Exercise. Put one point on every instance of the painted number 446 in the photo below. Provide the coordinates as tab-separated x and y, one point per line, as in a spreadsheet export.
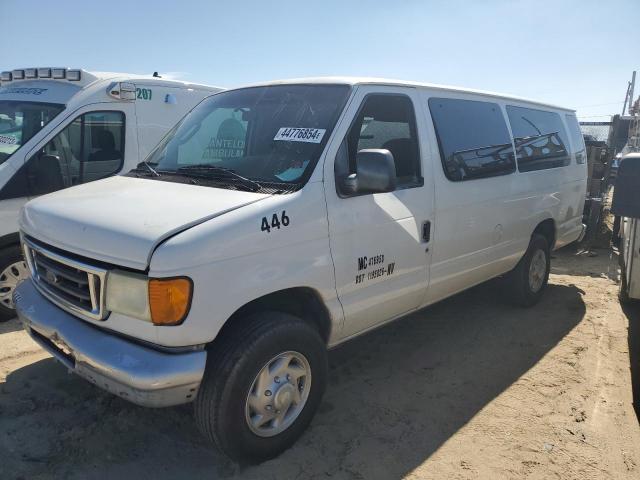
276	222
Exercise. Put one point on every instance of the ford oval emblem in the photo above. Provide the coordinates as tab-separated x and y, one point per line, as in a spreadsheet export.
51	277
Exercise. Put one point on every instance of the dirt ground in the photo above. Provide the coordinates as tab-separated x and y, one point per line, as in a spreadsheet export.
469	388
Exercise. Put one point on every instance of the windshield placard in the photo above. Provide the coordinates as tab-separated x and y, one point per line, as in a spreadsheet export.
293	134
5	140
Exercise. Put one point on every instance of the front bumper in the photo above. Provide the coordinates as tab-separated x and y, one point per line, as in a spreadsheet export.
134	372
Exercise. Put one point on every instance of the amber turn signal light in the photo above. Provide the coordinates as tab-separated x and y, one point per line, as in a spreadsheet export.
169	300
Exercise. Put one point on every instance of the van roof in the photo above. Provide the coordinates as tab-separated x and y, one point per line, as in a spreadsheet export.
403	83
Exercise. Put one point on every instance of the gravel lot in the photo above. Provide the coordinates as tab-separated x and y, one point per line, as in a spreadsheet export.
469	388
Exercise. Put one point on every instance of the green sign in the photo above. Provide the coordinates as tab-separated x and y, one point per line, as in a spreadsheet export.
143	93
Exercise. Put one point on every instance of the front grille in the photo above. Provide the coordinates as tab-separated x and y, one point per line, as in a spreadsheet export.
71	284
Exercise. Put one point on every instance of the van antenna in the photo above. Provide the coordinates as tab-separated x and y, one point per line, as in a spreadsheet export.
156	75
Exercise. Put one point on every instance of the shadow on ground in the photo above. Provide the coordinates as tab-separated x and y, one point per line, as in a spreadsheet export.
394	397
12	325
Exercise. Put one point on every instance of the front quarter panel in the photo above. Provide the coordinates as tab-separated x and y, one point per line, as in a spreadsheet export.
232	260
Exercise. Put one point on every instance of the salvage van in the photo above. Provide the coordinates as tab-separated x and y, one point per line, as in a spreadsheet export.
62	127
279	220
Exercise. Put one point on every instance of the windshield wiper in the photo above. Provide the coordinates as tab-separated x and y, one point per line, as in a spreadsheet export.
142	166
214	172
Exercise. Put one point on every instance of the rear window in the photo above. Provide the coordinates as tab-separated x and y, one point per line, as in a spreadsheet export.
473	138
540	139
577	140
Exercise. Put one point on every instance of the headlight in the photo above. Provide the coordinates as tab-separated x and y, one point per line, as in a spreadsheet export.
128	293
162	301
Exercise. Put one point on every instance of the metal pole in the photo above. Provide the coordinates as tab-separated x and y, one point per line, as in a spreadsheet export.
626	97
631	88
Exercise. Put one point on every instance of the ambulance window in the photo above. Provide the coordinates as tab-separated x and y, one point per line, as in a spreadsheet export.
540	139
473	138
91	147
388	121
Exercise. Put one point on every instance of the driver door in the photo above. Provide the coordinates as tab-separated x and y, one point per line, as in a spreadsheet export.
91	146
380	242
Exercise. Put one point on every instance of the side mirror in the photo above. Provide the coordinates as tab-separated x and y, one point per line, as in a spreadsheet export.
626	192
375	173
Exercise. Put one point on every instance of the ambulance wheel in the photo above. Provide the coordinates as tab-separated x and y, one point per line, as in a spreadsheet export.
13	269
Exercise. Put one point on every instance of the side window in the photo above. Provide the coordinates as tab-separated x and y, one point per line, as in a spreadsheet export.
577	140
388	121
540	139
473	138
91	147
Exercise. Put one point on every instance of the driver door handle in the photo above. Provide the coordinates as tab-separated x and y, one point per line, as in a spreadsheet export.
426	231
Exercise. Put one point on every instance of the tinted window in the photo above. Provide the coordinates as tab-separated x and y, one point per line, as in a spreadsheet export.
473	137
388	121
89	148
540	139
577	140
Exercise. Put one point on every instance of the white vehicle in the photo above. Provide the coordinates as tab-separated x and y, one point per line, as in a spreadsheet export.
283	219
626	203
61	127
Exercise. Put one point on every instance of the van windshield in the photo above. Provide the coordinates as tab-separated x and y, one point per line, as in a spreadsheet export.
19	121
262	138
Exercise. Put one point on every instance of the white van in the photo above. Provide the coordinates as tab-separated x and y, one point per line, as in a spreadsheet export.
282	219
61	127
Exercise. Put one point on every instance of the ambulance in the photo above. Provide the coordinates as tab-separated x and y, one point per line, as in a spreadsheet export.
62	127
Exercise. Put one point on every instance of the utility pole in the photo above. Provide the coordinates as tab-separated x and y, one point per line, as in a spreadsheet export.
628	98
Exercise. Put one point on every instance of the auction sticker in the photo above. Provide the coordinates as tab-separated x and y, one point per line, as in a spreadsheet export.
293	134
4	140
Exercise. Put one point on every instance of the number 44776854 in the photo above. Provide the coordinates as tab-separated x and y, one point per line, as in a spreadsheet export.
276	222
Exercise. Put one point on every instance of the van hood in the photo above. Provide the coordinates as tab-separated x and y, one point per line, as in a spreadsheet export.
121	220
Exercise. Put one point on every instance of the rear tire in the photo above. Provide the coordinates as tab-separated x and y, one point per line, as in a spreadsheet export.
13	270
250	366
529	279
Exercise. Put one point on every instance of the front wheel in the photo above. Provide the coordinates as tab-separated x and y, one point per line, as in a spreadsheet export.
262	386
529	279
13	270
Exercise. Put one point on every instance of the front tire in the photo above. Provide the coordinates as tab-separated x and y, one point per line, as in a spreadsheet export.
262	386
530	277
13	270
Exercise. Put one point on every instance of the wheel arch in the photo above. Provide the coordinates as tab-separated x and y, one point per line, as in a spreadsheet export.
547	228
9	240
303	302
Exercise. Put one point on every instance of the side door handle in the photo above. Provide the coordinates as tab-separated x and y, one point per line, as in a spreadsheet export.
426	231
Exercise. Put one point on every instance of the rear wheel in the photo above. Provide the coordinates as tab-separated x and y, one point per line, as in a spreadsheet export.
262	386
529	279
13	269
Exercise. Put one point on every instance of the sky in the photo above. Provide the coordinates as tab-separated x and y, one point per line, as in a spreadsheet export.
567	52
